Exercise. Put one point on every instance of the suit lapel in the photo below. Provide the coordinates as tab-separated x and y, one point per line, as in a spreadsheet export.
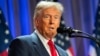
59	51
38	45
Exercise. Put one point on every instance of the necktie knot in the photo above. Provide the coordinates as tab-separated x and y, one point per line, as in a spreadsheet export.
50	43
52	48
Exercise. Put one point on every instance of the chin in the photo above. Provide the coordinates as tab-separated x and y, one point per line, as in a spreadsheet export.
51	34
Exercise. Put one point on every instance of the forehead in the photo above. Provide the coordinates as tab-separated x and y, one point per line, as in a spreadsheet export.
51	10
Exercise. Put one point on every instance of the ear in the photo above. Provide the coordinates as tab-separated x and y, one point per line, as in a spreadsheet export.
36	21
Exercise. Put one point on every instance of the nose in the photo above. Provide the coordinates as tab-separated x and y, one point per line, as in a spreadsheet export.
51	20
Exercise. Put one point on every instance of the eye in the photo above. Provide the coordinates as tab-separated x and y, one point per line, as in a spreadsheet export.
56	17
46	16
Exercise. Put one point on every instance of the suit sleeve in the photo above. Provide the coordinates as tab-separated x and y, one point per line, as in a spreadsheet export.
17	48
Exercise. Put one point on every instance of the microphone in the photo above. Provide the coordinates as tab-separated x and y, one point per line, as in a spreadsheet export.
67	30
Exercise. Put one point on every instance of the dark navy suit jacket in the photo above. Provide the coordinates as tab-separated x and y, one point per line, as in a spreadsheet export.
30	45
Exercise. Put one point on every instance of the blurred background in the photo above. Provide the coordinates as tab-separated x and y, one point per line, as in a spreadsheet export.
16	18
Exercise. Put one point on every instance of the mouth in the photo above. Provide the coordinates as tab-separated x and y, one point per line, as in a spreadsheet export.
51	28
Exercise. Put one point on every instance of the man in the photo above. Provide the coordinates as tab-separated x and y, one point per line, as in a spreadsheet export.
40	42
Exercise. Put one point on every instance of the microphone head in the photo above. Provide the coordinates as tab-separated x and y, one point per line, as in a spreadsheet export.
67	30
64	30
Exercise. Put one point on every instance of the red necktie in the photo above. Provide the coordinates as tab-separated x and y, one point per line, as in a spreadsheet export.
52	48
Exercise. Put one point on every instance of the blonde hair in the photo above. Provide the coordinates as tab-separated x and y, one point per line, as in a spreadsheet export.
46	4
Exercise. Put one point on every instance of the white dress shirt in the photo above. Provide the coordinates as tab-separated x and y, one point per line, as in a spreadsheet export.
44	42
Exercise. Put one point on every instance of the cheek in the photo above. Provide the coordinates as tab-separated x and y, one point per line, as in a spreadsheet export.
44	26
45	23
58	24
40	24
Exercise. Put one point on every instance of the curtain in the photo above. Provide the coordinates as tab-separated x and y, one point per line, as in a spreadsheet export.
78	14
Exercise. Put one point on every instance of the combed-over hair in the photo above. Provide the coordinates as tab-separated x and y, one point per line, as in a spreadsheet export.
46	4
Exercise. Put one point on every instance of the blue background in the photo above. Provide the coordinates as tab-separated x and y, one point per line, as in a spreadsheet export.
79	14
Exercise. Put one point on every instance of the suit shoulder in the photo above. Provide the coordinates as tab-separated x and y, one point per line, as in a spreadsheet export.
60	49
21	39
63	52
26	38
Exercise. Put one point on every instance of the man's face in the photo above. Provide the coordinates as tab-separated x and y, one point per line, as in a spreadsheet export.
48	22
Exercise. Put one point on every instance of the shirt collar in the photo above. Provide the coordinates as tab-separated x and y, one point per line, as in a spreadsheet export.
41	37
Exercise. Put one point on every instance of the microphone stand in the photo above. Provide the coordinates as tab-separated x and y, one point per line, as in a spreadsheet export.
80	34
86	35
97	41
77	33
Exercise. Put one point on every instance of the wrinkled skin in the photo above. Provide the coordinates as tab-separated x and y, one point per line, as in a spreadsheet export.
48	22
